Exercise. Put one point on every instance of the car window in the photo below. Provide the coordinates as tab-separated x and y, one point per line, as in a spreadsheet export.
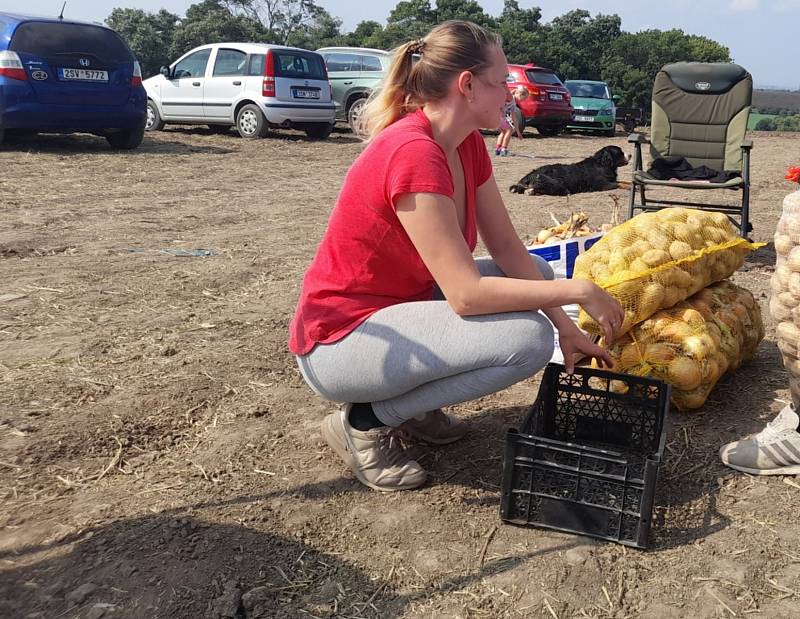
371	63
343	62
53	39
589	91
193	65
293	64
543	77
230	62
255	64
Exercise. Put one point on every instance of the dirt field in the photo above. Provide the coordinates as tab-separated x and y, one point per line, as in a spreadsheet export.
160	455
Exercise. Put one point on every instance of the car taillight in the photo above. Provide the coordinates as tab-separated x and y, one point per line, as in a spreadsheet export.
11	66
535	92
567	97
136	79
268	85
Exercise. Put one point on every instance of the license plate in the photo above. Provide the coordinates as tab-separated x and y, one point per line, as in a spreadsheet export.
85	75
556	96
306	94
584	119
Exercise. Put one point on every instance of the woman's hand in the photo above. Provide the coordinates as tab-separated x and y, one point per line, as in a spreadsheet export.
601	306
574	342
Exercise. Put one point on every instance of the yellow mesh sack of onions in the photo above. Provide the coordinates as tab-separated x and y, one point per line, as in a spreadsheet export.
658	259
693	343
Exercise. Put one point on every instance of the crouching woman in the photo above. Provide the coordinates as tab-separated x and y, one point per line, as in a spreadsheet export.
395	317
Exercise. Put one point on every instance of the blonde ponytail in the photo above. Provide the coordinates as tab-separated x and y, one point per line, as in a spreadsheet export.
390	102
421	71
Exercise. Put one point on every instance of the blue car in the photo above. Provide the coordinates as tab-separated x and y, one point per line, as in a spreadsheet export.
63	76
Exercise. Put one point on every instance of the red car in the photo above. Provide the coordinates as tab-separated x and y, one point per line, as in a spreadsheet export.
548	106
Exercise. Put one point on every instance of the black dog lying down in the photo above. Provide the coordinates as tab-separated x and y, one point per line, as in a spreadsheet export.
595	173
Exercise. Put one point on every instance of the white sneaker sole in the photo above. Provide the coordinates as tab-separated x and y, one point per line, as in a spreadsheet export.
784	470
432	439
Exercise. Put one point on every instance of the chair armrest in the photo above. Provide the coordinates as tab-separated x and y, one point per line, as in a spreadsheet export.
638	138
747	144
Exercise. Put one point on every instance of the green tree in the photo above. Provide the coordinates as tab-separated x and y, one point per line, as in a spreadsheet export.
575	41
787	123
412	19
366	34
521	31
468	10
633	85
631	61
765	124
409	19
576	45
210	21
299	23
149	35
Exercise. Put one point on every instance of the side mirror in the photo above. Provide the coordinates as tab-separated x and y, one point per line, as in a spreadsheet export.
165	72
615	98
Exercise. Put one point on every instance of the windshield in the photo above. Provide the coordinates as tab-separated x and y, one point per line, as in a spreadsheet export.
588	90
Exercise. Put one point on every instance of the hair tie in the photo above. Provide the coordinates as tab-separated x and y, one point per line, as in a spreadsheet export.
416	47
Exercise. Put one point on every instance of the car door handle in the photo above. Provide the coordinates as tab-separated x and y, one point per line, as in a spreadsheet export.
237	83
348	83
195	83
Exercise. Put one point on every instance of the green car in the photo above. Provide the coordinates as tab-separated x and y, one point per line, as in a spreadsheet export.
595	107
354	72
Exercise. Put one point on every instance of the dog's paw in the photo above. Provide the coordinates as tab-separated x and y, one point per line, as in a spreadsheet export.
530	191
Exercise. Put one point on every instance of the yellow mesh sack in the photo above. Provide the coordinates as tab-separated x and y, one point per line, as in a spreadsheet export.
658	259
693	343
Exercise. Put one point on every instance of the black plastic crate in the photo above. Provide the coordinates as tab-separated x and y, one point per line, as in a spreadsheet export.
586	459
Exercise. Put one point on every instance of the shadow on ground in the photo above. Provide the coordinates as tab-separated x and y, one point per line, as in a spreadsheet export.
175	565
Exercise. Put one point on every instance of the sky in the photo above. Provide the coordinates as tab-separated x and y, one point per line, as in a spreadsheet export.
762	35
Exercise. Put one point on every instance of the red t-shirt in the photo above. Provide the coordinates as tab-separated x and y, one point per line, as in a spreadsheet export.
366	261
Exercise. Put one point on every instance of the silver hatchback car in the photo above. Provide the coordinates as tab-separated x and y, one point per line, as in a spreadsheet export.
251	86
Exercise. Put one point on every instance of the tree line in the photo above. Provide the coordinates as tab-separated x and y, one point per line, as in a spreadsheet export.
576	45
779	123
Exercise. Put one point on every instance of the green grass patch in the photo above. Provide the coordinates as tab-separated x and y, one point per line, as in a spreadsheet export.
755	117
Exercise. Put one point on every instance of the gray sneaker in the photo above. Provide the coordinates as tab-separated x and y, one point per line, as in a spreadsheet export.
375	456
773	451
436	427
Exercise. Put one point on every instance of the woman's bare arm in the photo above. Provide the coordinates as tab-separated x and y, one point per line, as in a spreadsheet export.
432	225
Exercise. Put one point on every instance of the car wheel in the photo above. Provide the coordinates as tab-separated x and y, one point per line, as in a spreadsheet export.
127	139
318	131
550	131
153	122
610	132
354	116
250	122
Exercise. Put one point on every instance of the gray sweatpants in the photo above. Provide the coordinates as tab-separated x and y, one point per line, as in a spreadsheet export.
410	358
